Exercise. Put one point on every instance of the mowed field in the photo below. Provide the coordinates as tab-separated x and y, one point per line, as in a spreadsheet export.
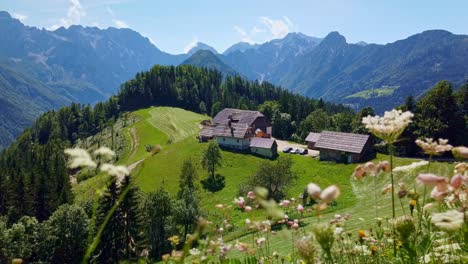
176	130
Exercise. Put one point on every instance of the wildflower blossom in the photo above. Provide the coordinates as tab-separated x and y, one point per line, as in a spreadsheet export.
329	194
313	190
260	241
80	158
248	209
370	168
306	248
384	166
247	221
428	206
359	172
300	208
387	189
118	171
285	203
390	126
174	240
240	202
432	147
105	153
251	195
430	179
194	252
448	221
456	181
410	167
460	167
438	195
460	152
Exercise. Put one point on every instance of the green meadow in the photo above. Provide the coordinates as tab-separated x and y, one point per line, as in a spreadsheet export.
175	130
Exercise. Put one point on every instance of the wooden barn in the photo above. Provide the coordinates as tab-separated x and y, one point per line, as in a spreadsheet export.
344	147
265	147
312	139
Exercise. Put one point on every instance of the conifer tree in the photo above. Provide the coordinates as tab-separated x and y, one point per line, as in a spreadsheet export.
158	213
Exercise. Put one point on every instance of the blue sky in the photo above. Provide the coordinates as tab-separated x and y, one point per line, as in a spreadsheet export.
175	25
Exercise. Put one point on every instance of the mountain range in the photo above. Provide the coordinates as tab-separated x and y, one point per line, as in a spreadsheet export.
42	70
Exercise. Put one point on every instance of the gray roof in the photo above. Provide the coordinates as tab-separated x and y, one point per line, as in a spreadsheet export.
312	137
257	142
235	131
207	131
238	116
347	142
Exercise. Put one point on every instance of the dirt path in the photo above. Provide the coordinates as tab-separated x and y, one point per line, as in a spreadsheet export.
135	142
134	165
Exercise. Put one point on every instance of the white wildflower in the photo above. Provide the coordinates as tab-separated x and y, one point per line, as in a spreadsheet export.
432	147
338	230
390	126
118	171
105	153
194	252
363	250
411	166
448	221
79	158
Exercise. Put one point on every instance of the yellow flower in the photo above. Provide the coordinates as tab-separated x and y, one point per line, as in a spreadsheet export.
174	240
361	233
413	202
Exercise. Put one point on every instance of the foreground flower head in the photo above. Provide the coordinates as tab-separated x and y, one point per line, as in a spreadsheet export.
105	153
411	166
118	171
432	147
430	179
329	194
448	221
79	158
313	190
460	152
390	126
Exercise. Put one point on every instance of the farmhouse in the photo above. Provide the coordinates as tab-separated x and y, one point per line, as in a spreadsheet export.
234	128
264	147
312	139
344	147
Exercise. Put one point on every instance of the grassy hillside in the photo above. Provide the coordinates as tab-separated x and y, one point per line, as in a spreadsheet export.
374	93
176	129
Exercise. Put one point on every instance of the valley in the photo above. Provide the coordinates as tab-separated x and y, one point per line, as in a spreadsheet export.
175	130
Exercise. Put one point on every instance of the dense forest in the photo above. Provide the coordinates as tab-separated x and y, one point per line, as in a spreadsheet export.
34	174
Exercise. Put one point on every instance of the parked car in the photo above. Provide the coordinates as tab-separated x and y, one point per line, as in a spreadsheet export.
295	151
287	149
304	152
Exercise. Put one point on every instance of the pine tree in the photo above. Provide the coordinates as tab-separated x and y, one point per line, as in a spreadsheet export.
158	212
112	240
132	219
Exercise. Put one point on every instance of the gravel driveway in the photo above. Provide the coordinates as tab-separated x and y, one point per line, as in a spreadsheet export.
283	144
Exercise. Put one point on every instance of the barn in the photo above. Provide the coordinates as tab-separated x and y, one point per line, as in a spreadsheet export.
312	139
344	147
265	147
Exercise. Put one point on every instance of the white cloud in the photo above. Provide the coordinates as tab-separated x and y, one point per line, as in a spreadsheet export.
191	45
120	23
74	14
117	22
21	17
265	30
279	27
